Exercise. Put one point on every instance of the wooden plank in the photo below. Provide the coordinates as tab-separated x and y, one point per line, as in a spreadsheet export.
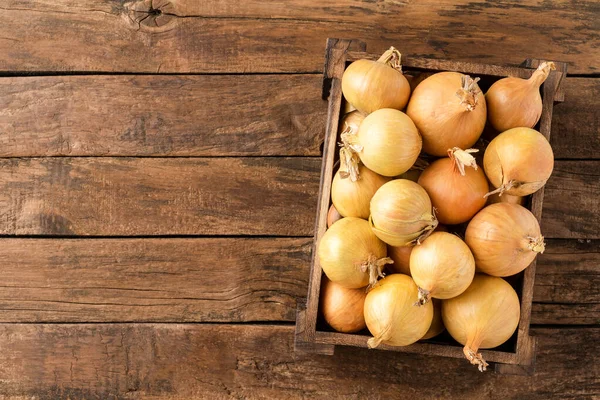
158	280
158	196
576	121
161	116
192	36
227	361
223	280
84	116
571	206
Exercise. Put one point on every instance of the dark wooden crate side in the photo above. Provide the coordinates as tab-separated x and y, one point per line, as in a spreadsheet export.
338	53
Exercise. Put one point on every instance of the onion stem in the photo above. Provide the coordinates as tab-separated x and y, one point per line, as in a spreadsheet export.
503	188
463	158
468	93
475	358
349	154
392	57
540	75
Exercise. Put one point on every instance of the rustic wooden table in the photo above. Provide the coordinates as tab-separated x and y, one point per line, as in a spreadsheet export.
158	186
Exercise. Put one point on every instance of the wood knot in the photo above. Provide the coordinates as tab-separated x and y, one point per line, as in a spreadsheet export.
151	15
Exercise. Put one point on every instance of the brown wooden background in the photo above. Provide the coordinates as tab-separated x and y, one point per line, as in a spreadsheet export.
159	172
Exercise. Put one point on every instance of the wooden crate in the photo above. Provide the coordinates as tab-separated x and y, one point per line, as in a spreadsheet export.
312	335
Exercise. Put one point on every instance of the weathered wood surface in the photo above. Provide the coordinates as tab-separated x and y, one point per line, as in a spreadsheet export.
223	280
158	196
571	206
216	36
216	196
138	116
221	362
143	115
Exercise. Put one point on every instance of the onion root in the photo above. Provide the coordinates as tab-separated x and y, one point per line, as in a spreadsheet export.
537	244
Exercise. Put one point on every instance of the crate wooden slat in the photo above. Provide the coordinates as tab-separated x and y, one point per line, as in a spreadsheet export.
339	52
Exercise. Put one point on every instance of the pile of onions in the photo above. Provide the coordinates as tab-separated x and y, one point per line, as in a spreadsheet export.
514	102
518	162
352	198
372	85
401	213
456	192
341	307
442	267
390	313
449	111
333	216
387	142
504	238
351	255
437	324
484	316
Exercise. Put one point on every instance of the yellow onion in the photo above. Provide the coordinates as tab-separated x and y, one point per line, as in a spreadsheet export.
442	267
518	162
401	255
437	324
341	307
390	313
387	142
514	102
351	255
449	110
352	199
456	192
505	198
484	316
351	122
332	216
371	85
401	213
504	238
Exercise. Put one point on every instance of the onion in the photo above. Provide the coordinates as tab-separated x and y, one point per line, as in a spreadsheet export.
342	308
351	255
390	313
505	198
442	266
455	192
437	325
518	162
401	213
484	316
333	216
352	199
387	142
449	111
372	85
504	238
401	255
514	102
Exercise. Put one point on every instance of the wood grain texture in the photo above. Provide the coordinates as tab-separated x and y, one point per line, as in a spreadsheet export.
223	280
213	36
138	116
159	280
576	121
224	361
158	196
276	115
571	206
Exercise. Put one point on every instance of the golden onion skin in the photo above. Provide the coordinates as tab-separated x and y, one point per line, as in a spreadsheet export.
342	308
352	199
372	85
